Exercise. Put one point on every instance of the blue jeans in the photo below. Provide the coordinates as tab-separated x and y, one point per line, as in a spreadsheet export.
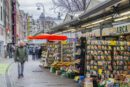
10	54
33	57
20	68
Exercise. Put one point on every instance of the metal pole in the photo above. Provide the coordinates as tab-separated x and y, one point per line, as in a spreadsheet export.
43	22
101	28
44	17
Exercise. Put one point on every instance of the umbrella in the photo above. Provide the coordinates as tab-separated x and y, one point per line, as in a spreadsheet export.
42	36
30	37
57	37
51	37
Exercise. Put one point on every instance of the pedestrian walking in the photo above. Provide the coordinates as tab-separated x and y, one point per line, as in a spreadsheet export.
21	57
40	53
9	50
5	51
33	53
36	52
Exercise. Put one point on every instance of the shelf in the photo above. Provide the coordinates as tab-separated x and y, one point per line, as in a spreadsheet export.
99	44
121	55
100	60
122	50
98	50
97	55
120	60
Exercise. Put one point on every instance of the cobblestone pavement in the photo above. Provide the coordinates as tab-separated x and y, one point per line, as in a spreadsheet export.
34	76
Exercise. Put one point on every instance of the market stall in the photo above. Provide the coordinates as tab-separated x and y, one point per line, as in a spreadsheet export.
107	63
67	66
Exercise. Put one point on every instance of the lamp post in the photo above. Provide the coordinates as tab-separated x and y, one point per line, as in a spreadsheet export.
39	6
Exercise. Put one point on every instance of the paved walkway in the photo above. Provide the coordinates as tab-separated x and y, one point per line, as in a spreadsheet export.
4	65
34	76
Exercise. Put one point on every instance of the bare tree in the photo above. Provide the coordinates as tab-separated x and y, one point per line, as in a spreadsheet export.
71	5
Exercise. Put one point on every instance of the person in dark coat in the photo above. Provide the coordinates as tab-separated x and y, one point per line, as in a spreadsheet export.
21	57
9	50
40	52
36	52
33	53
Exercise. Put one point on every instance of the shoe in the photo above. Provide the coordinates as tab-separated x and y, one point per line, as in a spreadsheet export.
19	77
22	75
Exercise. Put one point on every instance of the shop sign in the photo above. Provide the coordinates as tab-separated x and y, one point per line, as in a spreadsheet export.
122	29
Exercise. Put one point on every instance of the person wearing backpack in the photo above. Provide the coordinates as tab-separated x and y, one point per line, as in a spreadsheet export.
21	57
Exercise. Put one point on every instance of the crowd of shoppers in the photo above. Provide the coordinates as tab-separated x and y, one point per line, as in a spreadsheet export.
36	52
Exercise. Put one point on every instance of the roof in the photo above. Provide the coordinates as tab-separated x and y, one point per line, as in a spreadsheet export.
91	13
72	15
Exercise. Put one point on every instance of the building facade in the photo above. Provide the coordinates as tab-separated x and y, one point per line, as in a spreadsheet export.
8	21
46	23
2	26
23	25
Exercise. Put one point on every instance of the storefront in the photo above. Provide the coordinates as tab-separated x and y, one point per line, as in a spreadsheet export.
107	63
113	33
117	32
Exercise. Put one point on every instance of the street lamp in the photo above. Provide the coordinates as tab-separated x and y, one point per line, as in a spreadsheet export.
39	6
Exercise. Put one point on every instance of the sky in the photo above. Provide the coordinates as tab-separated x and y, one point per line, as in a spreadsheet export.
29	6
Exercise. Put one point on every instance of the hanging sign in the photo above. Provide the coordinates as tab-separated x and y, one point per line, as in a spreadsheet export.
122	29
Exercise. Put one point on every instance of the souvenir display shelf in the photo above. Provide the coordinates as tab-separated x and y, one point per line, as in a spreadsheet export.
57	52
77	49
44	54
53	52
77	54
44	51
109	61
67	52
121	58
99	58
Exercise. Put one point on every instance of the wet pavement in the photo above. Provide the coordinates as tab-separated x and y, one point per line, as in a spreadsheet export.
4	65
34	76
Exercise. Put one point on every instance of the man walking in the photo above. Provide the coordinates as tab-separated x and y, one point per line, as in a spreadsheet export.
20	57
33	53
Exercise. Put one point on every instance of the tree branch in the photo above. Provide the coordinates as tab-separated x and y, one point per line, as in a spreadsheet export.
72	5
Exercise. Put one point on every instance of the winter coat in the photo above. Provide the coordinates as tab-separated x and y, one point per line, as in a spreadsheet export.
21	54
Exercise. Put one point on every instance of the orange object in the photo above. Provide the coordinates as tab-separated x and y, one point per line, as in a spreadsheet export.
51	37
57	37
42	36
30	37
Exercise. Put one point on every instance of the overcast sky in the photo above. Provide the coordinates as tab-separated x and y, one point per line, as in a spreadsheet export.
29	6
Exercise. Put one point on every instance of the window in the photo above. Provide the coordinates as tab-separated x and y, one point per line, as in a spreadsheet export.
1	14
